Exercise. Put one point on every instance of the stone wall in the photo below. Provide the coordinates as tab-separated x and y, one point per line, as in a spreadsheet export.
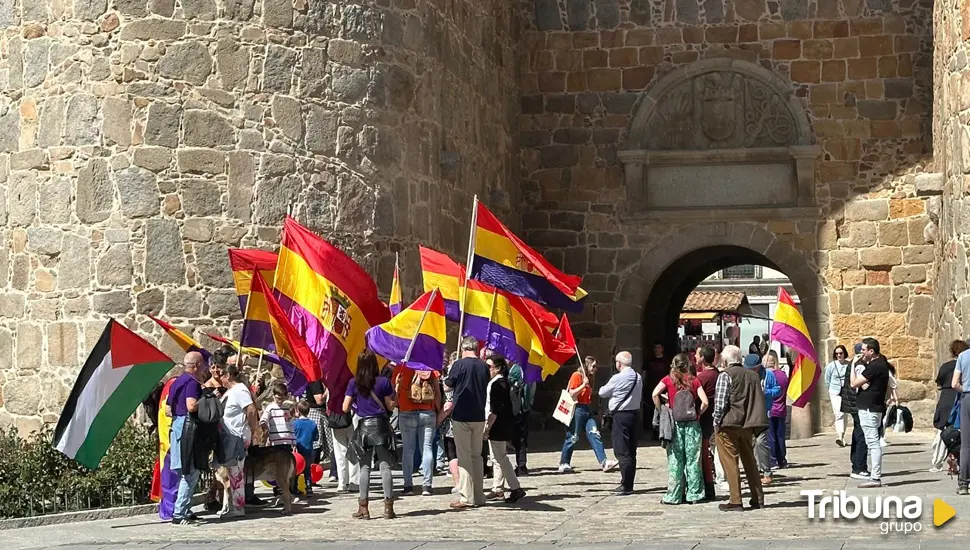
860	70
139	140
951	141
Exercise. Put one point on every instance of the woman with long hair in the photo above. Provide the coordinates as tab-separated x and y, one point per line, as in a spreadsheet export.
500	429
944	382
371	396
835	373
580	387
684	450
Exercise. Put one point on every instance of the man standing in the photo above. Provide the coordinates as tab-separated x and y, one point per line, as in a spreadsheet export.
707	374
183	399
858	449
468	379
419	401
624	390
522	394
873	385
739	414
961	383
755	346
771	389
657	368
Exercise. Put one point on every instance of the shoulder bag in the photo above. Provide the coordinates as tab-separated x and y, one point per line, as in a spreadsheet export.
608	417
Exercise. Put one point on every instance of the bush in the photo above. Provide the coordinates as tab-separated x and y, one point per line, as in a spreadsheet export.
35	478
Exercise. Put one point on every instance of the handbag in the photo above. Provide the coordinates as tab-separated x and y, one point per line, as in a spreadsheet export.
565	409
339	421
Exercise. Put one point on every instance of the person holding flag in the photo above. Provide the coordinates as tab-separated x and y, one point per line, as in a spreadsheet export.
580	387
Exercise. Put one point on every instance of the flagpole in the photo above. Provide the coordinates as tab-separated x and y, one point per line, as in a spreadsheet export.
491	314
407	356
249	302
468	270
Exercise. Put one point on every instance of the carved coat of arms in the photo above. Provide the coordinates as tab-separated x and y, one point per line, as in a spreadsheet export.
336	314
718	100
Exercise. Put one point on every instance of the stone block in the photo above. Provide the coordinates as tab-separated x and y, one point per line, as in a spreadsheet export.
74	265
232	63
36	62
150	302
859	235
289	119
199	9
278	70
116	302
881	257
905	208
794	9
930	184
908	390
62	344
114	267
201	161
164	258
222	303
559	156
12	306
877	110
893	233
189	61
548	17
875	299
278	13
206	129
212	264
918	315
242	180
198	229
81	127
44	240
871	210
29	160
95	194
153	29
116	123
200	197
321	130
139	192
349	85
51	126
23	395
918	254
183	303
155	159
163	125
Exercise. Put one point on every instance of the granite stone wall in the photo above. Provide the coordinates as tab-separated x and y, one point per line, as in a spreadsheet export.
860	70
140	139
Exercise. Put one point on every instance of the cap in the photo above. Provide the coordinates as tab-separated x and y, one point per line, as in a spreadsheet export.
858	348
751	361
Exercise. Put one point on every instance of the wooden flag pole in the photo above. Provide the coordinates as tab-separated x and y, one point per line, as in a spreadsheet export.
407	356
468	270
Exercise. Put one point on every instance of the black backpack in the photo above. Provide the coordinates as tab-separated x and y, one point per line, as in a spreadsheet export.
682	406
210	407
951	439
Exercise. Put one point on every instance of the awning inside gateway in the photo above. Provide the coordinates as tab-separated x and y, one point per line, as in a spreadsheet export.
698	316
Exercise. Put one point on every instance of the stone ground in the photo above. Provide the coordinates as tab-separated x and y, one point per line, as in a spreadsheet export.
566	511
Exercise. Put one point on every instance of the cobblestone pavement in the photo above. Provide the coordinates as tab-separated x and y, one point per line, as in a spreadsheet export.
568	511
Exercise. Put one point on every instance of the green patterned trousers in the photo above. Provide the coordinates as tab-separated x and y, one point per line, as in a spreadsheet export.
684	460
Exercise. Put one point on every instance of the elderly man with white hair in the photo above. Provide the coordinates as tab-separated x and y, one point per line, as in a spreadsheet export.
624	390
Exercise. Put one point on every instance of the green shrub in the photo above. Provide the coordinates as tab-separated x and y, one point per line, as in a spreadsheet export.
36	479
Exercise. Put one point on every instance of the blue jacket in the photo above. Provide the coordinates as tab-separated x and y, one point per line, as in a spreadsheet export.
771	387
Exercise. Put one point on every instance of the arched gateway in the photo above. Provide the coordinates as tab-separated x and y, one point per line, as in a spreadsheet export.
719	166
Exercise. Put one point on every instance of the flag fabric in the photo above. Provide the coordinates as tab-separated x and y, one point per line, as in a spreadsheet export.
296	381
564	333
120	372
243	262
330	300
168	480
289	344
788	328
184	341
424	322
506	325
441	272
503	260
396	302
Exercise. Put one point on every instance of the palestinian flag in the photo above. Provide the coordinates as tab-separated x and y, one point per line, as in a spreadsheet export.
120	372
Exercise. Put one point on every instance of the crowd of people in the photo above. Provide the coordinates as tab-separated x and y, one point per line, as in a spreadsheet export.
713	413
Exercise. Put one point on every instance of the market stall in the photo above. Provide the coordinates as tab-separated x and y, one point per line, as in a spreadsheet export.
712	319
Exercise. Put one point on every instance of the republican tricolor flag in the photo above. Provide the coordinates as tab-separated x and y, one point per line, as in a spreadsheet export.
395	303
788	328
415	336
120	372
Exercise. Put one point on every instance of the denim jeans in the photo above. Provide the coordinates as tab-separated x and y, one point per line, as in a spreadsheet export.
858	451
870	422
583	421
417	431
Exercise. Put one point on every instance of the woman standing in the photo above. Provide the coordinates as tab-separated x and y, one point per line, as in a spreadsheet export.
777	414
580	388
371	397
500	429
316	397
835	373
684	451
944	382
239	422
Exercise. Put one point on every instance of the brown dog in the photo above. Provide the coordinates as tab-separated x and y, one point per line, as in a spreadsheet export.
264	464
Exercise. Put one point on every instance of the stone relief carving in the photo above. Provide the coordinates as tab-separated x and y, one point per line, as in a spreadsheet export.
720	110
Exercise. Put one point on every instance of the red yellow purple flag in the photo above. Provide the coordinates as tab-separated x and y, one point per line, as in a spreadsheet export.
184	341
396	302
788	328
288	342
330	300
416	336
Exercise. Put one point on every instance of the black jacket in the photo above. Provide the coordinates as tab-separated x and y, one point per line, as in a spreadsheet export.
503	429
849	394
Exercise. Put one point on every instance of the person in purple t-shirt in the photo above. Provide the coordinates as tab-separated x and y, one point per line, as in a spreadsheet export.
183	398
777	414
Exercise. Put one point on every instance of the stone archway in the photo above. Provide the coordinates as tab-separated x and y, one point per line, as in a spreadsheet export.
650	296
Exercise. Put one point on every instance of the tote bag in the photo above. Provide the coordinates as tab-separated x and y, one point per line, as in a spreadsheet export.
565	409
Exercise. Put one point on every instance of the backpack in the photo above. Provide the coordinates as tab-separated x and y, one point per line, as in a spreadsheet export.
421	391
682	406
210	408
951	439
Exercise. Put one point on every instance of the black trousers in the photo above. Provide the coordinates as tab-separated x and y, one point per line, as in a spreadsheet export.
859	451
521	440
625	445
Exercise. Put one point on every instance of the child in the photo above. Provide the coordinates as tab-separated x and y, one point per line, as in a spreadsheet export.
276	419
306	433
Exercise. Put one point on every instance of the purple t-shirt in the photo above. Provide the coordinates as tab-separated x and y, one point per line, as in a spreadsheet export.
366	406
779	405
184	387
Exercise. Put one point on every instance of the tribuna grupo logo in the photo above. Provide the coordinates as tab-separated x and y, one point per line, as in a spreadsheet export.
895	514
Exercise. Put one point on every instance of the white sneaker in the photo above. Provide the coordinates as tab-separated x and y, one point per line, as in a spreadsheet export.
610	465
565	469
883	442
861	475
231	514
454	490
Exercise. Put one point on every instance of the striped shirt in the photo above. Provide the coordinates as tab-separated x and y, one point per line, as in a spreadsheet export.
278	425
721	391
